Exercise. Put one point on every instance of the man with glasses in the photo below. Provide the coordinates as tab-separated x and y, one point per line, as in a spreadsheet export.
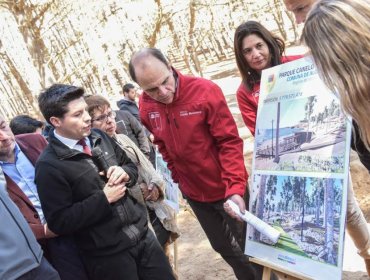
110	227
198	138
129	107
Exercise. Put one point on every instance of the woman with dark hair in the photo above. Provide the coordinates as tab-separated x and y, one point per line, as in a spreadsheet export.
255	49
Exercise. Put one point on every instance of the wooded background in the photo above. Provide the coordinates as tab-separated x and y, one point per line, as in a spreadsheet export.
89	43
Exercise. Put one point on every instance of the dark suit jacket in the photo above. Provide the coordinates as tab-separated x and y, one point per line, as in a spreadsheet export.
60	251
32	145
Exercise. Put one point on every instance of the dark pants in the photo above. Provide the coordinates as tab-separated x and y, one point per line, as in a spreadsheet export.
161	233
145	261
226	236
43	272
66	259
152	154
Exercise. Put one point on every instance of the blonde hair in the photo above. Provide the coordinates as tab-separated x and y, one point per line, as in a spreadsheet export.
338	35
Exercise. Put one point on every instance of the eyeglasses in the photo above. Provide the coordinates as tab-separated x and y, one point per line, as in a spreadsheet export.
104	117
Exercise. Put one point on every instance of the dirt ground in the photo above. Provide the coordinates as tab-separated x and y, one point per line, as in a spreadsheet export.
197	260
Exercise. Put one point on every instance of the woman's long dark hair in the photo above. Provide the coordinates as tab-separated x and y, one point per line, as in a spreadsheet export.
276	47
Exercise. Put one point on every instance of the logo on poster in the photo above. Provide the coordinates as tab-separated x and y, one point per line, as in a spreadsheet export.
286	259
271	80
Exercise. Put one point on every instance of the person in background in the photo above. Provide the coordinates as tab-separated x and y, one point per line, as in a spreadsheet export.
198	138
299	8
110	226
343	62
255	49
149	188
18	156
25	124
129	104
128	125
21	256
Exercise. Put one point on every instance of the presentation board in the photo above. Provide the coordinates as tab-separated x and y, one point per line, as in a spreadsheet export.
300	172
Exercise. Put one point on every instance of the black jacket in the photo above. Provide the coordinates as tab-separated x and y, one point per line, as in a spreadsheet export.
130	106
358	146
128	125
73	202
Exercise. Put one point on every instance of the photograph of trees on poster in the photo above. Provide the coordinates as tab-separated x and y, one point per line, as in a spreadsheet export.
307	212
304	134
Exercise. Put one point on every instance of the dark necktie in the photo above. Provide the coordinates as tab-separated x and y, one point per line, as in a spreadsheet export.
86	148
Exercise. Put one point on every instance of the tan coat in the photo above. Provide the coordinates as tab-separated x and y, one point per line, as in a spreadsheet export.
148	175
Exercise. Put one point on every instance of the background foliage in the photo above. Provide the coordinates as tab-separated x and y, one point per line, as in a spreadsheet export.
89	42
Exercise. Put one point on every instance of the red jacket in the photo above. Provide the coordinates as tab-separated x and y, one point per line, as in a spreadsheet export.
248	99
31	145
198	138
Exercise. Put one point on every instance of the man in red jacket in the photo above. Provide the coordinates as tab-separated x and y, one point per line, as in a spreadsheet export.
197	136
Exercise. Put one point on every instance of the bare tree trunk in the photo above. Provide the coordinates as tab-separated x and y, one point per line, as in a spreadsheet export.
294	26
152	39
318	205
277	146
303	181
22	84
329	229
260	203
277	13
30	20
190	50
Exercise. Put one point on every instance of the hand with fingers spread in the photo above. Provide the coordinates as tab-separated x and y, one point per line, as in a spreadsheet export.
116	175
114	192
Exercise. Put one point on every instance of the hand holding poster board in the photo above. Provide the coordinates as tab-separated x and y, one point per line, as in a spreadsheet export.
300	172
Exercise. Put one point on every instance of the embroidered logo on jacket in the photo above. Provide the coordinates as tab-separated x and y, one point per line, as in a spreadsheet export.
187	113
155	120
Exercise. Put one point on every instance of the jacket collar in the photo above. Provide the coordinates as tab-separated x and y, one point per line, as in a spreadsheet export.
31	145
128	102
178	77
64	152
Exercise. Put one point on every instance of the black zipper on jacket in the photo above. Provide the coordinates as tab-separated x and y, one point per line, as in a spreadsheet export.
127	228
174	120
167	115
